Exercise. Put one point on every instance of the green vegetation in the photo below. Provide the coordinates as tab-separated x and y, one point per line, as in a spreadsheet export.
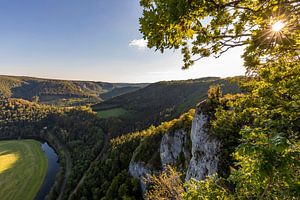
7	83
167	185
121	90
62	92
259	129
23	167
115	112
74	133
109	178
265	162
158	102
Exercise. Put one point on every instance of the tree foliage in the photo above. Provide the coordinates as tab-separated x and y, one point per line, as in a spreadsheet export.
74	133
162	101
109	178
267	117
203	28
167	185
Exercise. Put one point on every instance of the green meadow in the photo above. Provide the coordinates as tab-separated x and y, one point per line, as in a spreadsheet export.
23	167
114	112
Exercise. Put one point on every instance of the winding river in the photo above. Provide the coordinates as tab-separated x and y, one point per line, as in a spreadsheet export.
53	167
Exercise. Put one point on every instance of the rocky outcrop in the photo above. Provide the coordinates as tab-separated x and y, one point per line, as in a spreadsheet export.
172	151
205	148
173	147
139	171
196	154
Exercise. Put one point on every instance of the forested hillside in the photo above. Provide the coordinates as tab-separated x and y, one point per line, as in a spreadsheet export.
78	137
74	133
208	138
265	119
110	179
62	92
158	102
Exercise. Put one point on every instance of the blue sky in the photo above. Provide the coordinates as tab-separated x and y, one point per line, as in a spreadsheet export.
91	40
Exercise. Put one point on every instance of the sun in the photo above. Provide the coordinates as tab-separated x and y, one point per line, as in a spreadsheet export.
277	26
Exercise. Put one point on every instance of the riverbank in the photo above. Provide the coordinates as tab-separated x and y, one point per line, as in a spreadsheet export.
59	187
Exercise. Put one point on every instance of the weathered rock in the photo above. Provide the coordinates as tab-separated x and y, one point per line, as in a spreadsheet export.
139	171
205	149
172	145
197	156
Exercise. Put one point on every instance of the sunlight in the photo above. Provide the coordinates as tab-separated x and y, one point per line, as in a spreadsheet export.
7	161
277	26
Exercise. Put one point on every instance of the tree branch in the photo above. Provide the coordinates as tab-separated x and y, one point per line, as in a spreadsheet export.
270	182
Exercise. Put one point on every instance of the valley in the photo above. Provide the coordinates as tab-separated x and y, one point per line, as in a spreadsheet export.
150	100
63	92
83	136
158	102
108	149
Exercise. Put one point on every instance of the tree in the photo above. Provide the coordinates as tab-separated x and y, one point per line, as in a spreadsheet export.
268	156
167	185
203	28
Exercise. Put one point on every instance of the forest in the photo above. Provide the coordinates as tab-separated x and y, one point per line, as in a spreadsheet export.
158	102
62	92
266	117
74	133
208	138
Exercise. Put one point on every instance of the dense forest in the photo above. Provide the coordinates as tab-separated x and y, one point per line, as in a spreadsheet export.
162	101
196	139
109	178
74	133
62	92
78	135
266	117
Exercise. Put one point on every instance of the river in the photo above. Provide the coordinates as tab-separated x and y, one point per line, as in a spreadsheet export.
53	168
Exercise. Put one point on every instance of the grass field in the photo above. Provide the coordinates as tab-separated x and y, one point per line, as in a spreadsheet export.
114	112
23	167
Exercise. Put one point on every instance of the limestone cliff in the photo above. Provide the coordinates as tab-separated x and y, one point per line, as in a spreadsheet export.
205	148
195	152
174	149
139	171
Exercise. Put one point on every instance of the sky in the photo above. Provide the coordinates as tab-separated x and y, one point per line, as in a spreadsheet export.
95	40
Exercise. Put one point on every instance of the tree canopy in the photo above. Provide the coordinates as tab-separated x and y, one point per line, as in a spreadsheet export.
267	158
204	28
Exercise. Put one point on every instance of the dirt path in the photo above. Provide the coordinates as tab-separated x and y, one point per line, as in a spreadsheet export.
106	139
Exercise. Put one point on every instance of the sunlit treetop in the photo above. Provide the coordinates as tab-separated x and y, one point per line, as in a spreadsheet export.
202	28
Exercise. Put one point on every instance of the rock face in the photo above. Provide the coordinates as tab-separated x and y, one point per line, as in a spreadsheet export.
197	156
139	171
172	150
205	149
172	146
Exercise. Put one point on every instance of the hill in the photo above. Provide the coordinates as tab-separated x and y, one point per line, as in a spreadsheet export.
108	177
157	102
74	133
62	92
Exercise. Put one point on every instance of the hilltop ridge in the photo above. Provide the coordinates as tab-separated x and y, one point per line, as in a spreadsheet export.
63	92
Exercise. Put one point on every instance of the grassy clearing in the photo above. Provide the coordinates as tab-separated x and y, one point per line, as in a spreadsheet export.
114	112
23	167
